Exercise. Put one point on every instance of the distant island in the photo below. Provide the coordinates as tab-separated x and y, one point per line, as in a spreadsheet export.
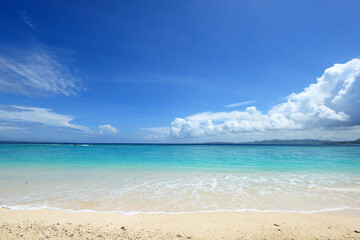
307	142
295	142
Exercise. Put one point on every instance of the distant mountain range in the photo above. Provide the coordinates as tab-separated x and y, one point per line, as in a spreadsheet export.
296	142
307	142
291	142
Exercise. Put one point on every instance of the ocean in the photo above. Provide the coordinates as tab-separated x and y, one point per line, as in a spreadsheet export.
179	178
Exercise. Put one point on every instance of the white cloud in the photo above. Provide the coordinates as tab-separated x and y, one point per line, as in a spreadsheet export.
36	71
332	102
14	114
107	129
239	104
6	128
27	20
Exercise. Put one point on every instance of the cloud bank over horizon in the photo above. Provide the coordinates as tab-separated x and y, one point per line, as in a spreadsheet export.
28	120
332	102
47	117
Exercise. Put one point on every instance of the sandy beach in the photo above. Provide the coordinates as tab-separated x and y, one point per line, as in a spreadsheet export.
56	224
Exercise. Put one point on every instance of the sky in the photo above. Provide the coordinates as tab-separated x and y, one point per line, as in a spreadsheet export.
186	71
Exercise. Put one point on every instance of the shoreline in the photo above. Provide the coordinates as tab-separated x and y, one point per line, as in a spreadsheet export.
325	210
58	224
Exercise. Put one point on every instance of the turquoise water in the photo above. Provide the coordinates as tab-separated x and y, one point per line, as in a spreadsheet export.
179	178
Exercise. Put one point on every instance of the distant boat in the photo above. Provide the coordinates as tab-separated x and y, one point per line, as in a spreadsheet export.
75	144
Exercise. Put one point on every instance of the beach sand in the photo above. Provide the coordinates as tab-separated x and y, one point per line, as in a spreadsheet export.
56	224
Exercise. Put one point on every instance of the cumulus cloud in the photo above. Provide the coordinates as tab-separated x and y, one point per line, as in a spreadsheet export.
107	129
332	102
15	114
36	71
239	104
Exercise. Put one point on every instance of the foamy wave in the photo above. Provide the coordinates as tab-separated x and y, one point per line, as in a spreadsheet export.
185	192
180	212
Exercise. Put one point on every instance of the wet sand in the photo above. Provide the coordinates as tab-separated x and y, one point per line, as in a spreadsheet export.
55	224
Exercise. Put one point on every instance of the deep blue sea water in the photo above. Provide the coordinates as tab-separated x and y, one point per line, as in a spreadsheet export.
179	178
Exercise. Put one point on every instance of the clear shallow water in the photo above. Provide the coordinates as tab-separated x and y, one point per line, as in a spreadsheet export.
179	178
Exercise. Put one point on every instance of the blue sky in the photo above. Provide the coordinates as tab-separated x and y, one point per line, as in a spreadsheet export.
178	71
